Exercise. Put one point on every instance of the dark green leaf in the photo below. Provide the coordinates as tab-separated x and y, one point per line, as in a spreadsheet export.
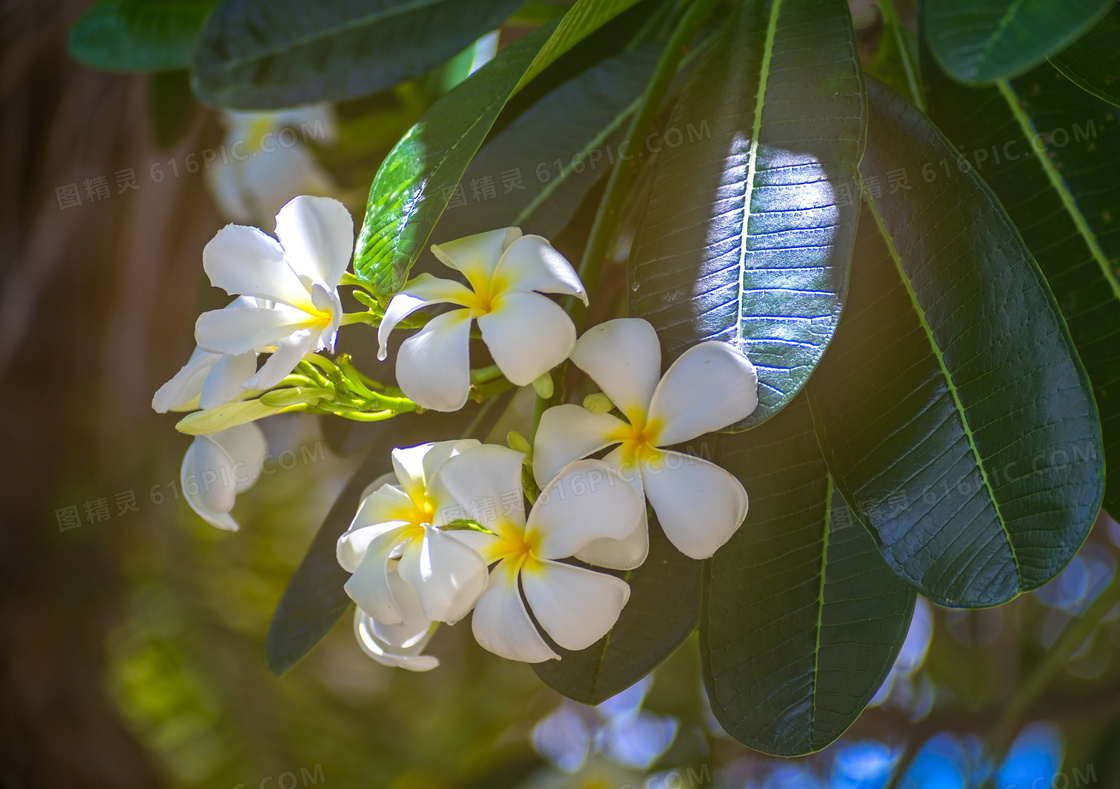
952	408
138	35
315	599
1051	153
661	613
264	54
801	619
542	165
985	40
171	106
1093	61
417	179
745	238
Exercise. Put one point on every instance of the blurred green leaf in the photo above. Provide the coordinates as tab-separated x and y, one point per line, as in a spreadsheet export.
415	182
542	165
661	613
171	106
265	54
1093	61
984	40
1051	153
745	238
315	599
138	35
896	60
801	618
951	376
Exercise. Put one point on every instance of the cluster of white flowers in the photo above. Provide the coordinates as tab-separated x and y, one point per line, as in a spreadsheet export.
453	529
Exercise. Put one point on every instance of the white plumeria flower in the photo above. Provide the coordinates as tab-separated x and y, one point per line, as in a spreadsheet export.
208	380
400	645
219	466
395	531
527	334
712	385
295	282
267	161
575	606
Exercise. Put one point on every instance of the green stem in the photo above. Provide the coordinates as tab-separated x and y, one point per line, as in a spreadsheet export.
484	391
1074	635
359	416
485	374
350	279
893	28
308	368
368	318
622	175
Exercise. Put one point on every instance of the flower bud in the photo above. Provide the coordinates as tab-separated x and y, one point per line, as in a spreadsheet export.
543	386
598	403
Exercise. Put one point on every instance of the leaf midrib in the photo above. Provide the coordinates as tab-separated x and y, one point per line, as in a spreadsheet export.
592	144
820	606
952	387
1059	184
996	34
752	159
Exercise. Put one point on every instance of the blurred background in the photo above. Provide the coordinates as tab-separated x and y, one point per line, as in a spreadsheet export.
132	633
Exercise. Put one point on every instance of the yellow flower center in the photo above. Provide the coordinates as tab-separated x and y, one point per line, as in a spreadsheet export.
516	547
487	294
639	440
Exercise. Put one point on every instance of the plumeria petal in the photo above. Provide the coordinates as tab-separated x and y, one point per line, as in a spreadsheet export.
416	467
186	384
423	291
482	543
586	501
237	330
369	585
487	472
428	471
574	605
246	448
408	464
283	360
433	365
245	261
531	263
527	335
698	504
226	379
502	625
213	486
628	553
415	629
448	576
712	385
270	180
625	554
187	474
382	510
476	256
317	234
224	186
399	645
567	433
623	357
327	302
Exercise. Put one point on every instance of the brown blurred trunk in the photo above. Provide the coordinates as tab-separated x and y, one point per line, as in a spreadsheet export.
96	307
